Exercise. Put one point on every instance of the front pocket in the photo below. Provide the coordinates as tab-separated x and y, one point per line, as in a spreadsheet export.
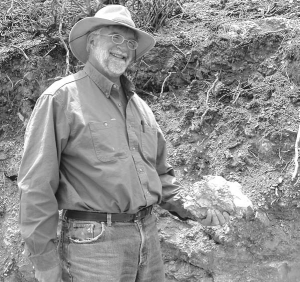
108	144
85	233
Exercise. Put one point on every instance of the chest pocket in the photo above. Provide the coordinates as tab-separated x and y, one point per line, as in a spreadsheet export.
149	142
107	143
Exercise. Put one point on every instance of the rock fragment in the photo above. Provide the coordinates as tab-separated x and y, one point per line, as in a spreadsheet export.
215	192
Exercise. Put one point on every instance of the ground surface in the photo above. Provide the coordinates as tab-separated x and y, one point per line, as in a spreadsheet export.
223	82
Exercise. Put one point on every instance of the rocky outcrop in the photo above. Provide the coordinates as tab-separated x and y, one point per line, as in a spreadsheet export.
247	246
214	192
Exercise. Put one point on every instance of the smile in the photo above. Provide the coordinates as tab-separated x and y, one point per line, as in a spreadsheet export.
119	56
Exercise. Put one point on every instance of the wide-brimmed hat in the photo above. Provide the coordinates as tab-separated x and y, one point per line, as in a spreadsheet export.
109	15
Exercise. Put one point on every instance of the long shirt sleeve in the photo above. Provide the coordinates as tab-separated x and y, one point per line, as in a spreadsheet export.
171	199
45	138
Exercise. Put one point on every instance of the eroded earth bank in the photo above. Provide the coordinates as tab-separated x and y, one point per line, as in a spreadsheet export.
223	82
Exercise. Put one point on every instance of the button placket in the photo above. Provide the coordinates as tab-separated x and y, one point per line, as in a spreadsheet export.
130	120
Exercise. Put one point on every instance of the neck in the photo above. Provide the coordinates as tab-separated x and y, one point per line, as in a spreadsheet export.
114	79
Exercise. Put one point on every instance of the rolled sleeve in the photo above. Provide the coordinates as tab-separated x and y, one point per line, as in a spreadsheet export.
45	138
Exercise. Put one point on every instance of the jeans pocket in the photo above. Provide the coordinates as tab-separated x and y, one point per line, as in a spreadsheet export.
85	232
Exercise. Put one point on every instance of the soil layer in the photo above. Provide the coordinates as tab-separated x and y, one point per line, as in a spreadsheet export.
223	83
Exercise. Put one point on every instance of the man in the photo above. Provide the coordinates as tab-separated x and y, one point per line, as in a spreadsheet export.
94	150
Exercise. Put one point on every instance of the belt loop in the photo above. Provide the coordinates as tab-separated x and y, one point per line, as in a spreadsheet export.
109	219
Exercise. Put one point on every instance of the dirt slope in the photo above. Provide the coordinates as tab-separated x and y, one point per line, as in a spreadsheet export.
223	82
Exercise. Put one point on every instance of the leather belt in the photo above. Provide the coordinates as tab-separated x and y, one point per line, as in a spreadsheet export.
105	217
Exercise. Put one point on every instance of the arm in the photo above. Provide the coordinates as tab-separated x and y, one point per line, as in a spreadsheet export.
171	199
45	138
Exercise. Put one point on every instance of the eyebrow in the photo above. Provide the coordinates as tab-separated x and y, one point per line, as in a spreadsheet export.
128	38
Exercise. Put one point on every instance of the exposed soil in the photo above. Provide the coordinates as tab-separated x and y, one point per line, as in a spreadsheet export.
223	82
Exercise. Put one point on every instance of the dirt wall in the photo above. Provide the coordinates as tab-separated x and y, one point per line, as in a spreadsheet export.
223	83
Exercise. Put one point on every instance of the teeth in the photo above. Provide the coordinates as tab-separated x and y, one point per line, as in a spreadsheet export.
118	56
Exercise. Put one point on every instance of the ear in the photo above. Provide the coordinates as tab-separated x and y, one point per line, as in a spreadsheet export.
90	40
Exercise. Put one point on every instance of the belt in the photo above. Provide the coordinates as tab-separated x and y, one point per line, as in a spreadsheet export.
107	217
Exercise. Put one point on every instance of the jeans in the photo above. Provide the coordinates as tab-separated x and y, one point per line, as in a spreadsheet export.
123	252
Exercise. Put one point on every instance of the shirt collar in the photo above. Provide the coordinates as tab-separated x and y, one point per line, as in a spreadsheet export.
104	84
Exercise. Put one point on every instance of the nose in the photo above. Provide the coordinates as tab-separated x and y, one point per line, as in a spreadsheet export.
124	45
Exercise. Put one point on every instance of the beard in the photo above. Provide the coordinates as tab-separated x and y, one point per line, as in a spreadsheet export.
113	66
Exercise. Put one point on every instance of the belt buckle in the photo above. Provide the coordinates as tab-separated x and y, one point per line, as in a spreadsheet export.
142	213
137	216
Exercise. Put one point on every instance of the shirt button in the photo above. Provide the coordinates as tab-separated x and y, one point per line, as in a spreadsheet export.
133	148
119	105
141	170
105	124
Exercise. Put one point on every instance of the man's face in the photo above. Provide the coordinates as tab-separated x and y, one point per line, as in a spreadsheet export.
109	58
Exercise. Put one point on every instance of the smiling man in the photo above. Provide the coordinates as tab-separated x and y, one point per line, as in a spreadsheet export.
94	150
109	56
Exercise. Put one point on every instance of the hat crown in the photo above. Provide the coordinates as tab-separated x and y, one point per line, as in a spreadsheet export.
116	13
110	15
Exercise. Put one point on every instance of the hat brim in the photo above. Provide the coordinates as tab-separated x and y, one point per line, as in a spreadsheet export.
79	32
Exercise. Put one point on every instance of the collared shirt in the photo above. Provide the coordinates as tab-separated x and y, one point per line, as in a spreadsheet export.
86	149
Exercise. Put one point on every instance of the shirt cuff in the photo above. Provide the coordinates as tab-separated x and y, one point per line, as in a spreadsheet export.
176	208
45	261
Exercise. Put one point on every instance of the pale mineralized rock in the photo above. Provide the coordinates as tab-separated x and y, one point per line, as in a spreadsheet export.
215	192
